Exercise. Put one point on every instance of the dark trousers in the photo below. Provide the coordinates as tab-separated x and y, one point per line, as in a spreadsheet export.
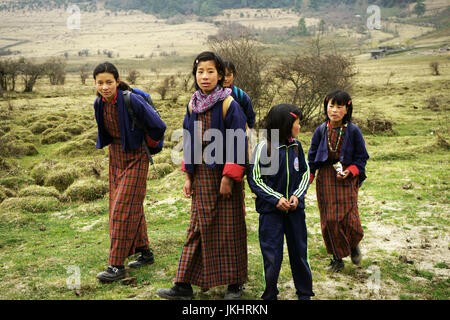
272	228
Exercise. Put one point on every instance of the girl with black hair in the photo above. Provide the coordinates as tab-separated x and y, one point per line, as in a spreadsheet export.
215	251
128	168
280	200
338	151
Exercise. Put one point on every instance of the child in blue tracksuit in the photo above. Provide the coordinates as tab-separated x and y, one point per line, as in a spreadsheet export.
280	185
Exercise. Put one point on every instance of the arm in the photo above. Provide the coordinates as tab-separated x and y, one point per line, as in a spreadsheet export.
256	181
249	112
235	120
315	141
305	174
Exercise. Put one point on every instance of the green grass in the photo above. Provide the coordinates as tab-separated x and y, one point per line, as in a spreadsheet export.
406	193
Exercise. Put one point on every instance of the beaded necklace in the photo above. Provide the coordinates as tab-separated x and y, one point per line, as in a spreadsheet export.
341	131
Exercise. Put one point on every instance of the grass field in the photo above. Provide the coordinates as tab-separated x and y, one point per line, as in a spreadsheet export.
404	204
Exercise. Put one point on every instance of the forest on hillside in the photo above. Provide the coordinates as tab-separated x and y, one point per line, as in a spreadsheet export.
167	8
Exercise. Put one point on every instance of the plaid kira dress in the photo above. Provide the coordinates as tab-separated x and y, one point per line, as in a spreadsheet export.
215	252
338	204
127	186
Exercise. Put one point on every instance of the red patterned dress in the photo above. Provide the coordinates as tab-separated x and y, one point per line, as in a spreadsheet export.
215	252
127	186
338	203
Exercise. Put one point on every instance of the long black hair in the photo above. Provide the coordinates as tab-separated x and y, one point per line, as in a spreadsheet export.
209	56
230	66
342	98
110	68
281	117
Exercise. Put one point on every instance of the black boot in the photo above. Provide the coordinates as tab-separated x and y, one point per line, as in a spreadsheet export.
336	265
112	274
180	291
145	258
234	292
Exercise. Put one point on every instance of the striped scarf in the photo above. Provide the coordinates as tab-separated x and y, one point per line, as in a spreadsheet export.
201	102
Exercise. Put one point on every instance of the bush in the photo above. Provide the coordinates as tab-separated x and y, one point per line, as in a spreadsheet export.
16	183
61	179
54	137
41	126
31	204
86	190
20	148
38	191
39	172
159	170
77	148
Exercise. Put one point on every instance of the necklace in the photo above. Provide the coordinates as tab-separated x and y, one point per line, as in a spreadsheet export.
341	131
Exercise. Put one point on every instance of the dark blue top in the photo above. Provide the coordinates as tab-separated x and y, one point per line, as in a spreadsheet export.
229	149
353	150
290	176
239	95
131	138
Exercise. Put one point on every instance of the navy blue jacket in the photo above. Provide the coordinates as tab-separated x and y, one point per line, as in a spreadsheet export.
131	138
246	104
234	119
291	177
353	150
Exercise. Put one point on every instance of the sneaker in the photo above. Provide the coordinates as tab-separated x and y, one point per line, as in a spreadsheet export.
176	293
356	255
336	265
142	260
234	292
111	274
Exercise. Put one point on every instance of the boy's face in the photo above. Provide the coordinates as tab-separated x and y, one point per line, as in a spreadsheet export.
229	78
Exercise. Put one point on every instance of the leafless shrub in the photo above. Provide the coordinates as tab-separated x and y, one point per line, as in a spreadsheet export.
435	68
132	76
55	69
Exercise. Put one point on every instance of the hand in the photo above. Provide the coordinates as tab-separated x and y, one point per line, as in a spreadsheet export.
187	189
283	205
345	175
226	187
293	202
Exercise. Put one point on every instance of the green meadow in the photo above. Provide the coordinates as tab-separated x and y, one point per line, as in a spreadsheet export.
54	194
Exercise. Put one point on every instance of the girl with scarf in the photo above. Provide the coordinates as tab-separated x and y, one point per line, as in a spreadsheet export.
338	151
215	251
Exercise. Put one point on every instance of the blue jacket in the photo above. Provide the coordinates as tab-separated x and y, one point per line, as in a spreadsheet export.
246	104
131	138
353	150
291	177
231	161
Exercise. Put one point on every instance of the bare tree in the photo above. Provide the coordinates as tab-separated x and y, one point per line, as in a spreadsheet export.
84	74
435	68
251	65
305	80
56	70
31	73
132	76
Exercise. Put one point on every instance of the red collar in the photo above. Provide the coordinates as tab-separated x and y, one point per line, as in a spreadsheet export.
113	100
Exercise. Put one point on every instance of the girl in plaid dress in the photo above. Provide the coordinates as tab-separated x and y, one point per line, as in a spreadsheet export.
338	142
128	167
215	251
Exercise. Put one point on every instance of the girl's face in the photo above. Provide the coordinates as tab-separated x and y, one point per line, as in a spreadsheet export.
207	76
106	85
295	128
336	112
229	78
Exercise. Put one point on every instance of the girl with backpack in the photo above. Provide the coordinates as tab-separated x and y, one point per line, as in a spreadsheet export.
338	151
128	167
280	187
215	251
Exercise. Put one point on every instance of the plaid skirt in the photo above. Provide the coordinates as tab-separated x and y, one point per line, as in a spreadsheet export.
215	252
127	186
339	216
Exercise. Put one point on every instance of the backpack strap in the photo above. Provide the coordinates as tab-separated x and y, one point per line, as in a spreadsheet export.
135	121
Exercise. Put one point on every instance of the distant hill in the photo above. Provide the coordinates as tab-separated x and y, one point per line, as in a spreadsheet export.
166	8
